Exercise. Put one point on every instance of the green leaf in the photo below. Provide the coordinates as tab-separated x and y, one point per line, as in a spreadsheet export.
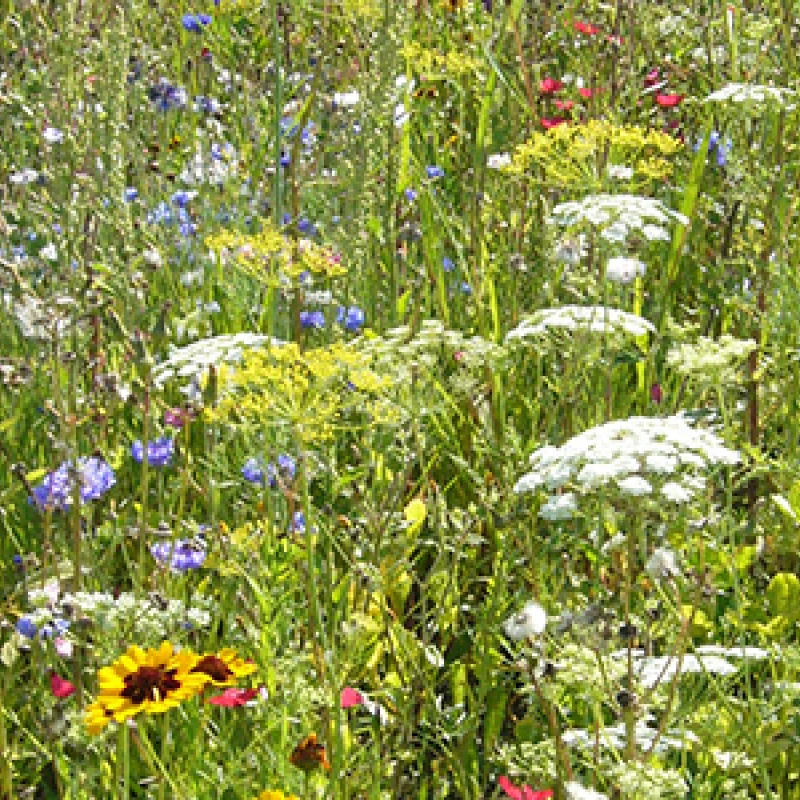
495	714
783	596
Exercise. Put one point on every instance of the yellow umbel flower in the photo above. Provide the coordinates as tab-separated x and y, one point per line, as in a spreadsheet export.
223	668
149	681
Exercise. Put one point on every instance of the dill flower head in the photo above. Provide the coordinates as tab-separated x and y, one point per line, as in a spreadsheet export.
150	681
223	668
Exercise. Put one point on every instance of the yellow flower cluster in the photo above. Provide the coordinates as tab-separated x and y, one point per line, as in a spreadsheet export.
571	154
306	390
275	794
153	681
268	255
424	60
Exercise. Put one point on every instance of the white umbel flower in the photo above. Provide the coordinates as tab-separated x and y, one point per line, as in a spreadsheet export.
529	622
753	94
580	319
623	270
577	791
663	564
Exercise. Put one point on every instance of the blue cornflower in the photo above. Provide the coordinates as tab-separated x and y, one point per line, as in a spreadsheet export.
253	470
312	319
298	522
466	288
26	627
159	451
434	172
447	264
306	227
56	490
411	195
194	23
181	555
352	318
58	627
182	198
162	214
716	145
130	194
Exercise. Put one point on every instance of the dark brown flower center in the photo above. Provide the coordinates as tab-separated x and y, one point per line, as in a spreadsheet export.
150	683
214	667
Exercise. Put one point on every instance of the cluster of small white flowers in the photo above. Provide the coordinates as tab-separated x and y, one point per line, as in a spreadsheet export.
753	93
36	319
619	216
348	99
570	250
193	361
712	359
619	172
529	622
148	618
498	161
577	791
622	269
399	350
592	319
623	452
615	737
635	780
214	166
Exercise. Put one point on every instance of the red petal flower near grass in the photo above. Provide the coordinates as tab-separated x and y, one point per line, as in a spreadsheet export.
351	697
585	27
523	792
550	85
233	697
552	122
60	687
669	100
564	105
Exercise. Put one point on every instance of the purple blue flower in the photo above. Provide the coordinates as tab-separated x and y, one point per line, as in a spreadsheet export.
194	23
298	522
56	491
159	451
253	470
447	264
312	319
26	627
352	318
181	555
434	172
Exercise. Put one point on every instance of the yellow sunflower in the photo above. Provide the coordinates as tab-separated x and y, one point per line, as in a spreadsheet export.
223	668
151	681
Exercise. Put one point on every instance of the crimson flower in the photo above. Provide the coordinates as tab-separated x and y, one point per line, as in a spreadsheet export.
233	697
552	122
550	85
585	27
669	100
564	105
523	792
60	687
651	79
351	697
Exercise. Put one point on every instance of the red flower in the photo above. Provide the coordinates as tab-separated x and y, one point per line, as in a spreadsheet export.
351	697
550	85
60	687
523	793
564	105
669	100
233	697
552	122
585	27
656	393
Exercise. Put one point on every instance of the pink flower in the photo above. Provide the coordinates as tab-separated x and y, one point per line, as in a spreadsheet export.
563	105
550	85
656	393
669	100
63	647
585	27
524	792
233	697
651	79
551	122
60	687
351	697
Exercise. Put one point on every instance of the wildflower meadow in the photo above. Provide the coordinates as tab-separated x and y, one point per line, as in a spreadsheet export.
399	399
